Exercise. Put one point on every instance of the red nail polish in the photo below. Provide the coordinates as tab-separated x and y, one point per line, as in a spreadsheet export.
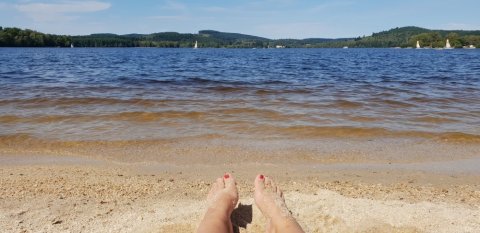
226	176
261	177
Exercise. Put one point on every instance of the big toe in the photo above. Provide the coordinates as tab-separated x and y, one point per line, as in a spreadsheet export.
259	183
220	184
230	182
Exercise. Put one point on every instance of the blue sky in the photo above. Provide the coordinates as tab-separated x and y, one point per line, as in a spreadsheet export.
268	18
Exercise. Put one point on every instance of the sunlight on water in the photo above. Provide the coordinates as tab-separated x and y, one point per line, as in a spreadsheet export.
135	94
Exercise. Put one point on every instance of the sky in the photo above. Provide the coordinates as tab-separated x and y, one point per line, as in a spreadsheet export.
274	19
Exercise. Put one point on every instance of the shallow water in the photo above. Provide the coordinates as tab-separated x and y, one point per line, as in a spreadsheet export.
148	93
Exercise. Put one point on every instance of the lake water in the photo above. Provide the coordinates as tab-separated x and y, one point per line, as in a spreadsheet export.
149	93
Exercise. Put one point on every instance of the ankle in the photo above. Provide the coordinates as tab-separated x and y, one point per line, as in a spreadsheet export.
284	224
219	213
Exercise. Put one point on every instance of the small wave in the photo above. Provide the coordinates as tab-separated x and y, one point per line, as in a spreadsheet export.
363	119
136	81
14	72
364	132
227	89
40	102
265	92
432	100
345	104
180	81
282	91
263	113
325	131
9	119
6	119
202	80
152	116
206	81
392	103
122	116
248	82
435	120
275	82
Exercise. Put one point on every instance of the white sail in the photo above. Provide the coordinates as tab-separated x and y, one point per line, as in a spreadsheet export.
418	44
196	45
71	45
447	45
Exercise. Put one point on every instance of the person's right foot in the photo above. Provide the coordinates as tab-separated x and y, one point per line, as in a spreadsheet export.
269	199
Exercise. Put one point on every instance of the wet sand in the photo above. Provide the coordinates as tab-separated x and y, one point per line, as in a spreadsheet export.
341	186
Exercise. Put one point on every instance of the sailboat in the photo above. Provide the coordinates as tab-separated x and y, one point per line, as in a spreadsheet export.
196	45
447	45
71	45
418	44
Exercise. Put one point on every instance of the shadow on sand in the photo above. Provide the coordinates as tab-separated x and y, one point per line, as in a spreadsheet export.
241	217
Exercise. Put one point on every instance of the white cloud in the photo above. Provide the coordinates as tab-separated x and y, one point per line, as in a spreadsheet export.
42	12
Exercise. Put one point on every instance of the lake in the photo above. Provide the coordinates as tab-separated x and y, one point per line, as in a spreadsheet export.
148	93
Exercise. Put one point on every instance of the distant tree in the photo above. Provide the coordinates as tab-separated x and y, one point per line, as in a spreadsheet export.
455	40
397	37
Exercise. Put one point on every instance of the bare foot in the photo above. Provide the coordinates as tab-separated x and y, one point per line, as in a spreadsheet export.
269	199
221	200
224	195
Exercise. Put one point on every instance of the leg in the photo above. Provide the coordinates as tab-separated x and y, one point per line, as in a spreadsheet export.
221	200
269	199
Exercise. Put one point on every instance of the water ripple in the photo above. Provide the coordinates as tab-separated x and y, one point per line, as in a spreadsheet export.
132	92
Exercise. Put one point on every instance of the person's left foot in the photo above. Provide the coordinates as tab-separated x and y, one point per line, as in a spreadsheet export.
223	196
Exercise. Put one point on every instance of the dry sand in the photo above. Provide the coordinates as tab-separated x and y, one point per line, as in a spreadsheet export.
51	192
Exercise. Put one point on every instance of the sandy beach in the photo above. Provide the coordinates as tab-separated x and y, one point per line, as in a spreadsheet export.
77	189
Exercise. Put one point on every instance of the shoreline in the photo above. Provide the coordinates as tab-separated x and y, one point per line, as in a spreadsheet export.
211	149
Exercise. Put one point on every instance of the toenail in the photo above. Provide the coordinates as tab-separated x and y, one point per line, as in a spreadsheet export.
261	177
226	176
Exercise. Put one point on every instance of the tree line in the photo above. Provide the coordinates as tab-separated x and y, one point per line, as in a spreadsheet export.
397	37
16	37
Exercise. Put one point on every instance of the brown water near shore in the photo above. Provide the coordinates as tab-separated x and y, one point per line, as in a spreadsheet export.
282	114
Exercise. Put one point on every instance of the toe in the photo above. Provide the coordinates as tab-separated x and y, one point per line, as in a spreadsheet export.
229	181
260	183
279	192
220	183
270	185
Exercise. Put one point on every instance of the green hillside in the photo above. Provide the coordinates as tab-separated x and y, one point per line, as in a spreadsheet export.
397	37
15	37
408	36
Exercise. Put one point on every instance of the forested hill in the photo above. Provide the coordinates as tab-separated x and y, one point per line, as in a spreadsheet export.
408	36
16	37
205	38
397	37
